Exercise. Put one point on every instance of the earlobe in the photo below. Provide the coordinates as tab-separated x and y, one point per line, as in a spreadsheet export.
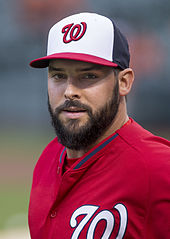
126	78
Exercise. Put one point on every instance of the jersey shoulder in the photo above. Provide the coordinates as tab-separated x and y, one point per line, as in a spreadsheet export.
149	150
144	142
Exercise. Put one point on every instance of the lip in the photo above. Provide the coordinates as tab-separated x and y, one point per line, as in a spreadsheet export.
73	112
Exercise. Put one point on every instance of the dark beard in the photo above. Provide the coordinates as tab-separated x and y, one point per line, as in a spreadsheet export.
78	138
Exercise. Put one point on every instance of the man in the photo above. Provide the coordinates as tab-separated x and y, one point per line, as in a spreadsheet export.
103	176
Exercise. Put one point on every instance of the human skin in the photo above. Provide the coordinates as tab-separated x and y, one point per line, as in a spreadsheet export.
91	85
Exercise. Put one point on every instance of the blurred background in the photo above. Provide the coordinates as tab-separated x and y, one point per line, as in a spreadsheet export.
25	127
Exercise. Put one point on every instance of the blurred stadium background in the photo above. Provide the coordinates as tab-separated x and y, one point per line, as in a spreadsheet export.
24	122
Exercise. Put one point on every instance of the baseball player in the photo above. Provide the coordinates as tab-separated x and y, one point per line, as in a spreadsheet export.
103	176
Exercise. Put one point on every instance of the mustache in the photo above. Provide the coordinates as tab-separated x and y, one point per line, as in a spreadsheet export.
73	103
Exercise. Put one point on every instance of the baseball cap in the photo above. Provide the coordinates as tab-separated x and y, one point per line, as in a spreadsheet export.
88	37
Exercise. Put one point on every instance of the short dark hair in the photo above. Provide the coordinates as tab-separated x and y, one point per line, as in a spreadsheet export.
117	70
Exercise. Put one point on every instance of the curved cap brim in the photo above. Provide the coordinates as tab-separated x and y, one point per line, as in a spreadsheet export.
44	61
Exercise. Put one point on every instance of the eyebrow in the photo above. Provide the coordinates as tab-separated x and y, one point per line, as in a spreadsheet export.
96	67
52	68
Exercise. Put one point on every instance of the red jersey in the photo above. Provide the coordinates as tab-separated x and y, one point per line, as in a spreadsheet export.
119	189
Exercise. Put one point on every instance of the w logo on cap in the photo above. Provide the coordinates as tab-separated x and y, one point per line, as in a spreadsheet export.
74	32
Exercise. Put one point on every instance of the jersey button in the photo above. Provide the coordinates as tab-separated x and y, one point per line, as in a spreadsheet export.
58	170
53	214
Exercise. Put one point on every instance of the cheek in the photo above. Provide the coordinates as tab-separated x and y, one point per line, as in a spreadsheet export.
55	94
98	96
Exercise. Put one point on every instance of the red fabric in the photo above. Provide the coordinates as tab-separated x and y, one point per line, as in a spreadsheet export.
44	61
123	189
68	162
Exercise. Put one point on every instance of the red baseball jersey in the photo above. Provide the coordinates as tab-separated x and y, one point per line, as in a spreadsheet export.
119	189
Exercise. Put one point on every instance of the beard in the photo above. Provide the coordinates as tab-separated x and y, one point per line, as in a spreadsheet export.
76	137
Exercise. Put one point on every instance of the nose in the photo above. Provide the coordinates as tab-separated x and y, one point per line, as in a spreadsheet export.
72	91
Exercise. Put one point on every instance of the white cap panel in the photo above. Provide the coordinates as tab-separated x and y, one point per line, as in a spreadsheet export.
93	42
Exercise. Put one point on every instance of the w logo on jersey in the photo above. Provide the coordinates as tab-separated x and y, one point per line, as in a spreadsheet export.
88	211
74	32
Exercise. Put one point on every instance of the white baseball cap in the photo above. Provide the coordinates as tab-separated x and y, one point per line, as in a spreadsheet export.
87	37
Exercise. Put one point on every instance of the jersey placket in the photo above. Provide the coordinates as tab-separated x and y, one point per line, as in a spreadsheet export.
67	179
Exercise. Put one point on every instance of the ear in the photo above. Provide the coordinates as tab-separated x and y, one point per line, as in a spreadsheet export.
126	78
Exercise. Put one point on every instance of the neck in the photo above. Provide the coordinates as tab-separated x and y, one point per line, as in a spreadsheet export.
120	119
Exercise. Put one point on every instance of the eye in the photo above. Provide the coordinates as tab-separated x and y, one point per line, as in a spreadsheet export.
59	76
89	76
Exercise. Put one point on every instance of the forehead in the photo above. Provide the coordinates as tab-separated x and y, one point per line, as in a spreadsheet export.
66	64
